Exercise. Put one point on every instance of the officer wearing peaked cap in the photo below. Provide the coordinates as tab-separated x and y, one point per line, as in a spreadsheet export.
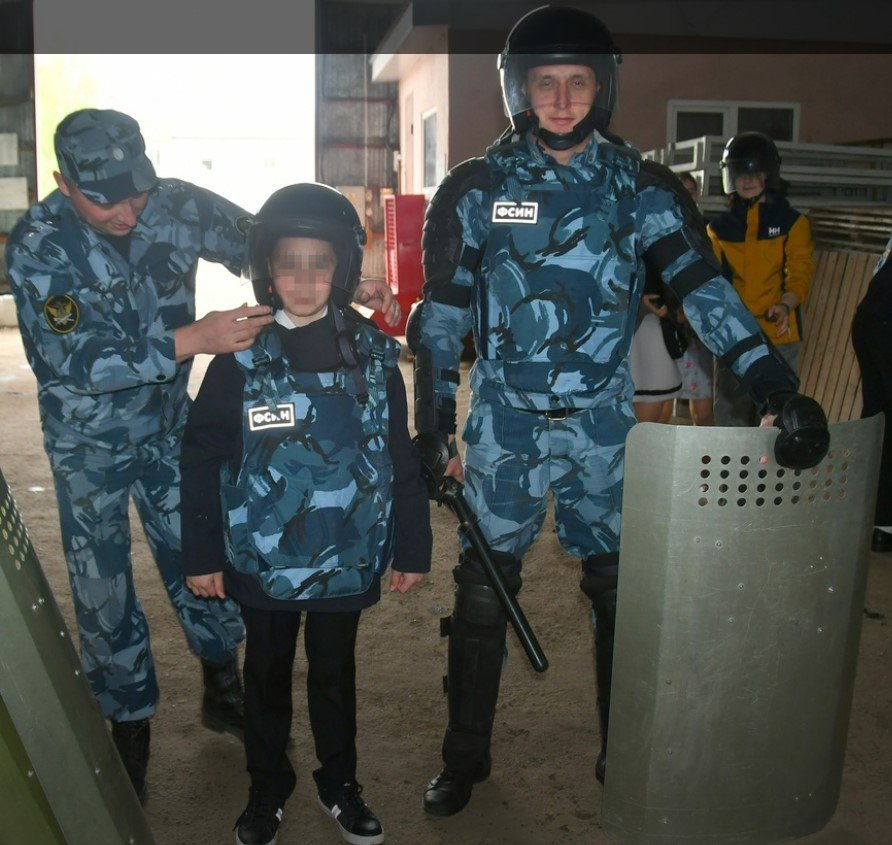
551	299
103	276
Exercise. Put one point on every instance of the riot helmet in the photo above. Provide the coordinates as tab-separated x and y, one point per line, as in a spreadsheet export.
750	152
558	35
307	210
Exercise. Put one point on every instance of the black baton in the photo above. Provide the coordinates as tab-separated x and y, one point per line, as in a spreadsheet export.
434	457
454	497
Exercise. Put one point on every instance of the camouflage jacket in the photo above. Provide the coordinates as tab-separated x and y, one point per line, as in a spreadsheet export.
309	509
545	262
97	329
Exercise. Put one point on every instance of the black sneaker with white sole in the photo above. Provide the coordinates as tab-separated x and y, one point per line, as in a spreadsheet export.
358	824
259	824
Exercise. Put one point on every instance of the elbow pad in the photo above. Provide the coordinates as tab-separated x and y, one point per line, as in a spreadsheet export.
444	249
431	413
691	239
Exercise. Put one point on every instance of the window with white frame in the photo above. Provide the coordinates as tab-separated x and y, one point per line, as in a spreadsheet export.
688	119
429	140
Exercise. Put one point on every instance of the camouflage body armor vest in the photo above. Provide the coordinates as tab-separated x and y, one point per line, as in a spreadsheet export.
558	275
309	511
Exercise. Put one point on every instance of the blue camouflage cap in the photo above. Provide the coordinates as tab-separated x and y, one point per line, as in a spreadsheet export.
104	154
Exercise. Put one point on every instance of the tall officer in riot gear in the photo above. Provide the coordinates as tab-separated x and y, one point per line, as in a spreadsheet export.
538	247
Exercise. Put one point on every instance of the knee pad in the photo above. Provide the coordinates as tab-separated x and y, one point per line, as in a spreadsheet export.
477	605
476	601
599	580
470	570
477	630
599	575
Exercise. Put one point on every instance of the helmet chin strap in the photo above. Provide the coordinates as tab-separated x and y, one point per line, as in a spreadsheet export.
577	135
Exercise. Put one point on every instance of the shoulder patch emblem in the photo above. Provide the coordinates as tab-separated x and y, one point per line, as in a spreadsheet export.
261	417
515	212
62	314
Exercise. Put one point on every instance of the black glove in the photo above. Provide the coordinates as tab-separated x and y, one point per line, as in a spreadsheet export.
804	437
435	452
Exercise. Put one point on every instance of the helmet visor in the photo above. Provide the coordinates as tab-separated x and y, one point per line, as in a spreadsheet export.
533	82
734	167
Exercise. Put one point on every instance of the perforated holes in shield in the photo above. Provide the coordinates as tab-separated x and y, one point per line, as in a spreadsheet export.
12	531
740	481
829	480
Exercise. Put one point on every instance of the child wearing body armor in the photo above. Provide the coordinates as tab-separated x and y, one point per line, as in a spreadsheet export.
300	485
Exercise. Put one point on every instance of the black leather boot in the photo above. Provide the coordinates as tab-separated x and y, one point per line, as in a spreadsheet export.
476	651
599	578
449	792
132	741
605	625
223	704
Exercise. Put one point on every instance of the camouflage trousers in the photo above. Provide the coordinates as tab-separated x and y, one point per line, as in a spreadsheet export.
513	458
93	490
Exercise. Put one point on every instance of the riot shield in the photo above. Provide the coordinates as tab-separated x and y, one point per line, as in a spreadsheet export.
61	780
740	599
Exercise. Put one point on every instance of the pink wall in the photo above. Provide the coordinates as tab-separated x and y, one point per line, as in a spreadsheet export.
843	98
426	84
477	117
465	91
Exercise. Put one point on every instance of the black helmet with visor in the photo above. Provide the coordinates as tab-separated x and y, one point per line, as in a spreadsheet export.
307	210
750	152
558	35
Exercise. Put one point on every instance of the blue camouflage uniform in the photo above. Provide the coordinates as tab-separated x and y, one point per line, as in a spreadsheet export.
544	262
309	510
98	332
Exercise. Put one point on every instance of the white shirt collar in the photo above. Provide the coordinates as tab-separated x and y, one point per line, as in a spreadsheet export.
286	322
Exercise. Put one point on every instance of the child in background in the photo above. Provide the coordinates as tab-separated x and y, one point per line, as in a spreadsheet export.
303	437
696	363
767	252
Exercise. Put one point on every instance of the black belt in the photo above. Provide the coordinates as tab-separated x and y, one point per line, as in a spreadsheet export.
552	413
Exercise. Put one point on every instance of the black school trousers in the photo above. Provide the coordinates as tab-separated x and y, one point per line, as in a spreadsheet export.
329	642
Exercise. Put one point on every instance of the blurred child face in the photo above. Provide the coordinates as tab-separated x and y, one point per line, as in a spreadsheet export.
302	270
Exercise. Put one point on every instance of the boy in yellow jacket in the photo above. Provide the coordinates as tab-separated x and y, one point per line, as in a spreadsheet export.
766	249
